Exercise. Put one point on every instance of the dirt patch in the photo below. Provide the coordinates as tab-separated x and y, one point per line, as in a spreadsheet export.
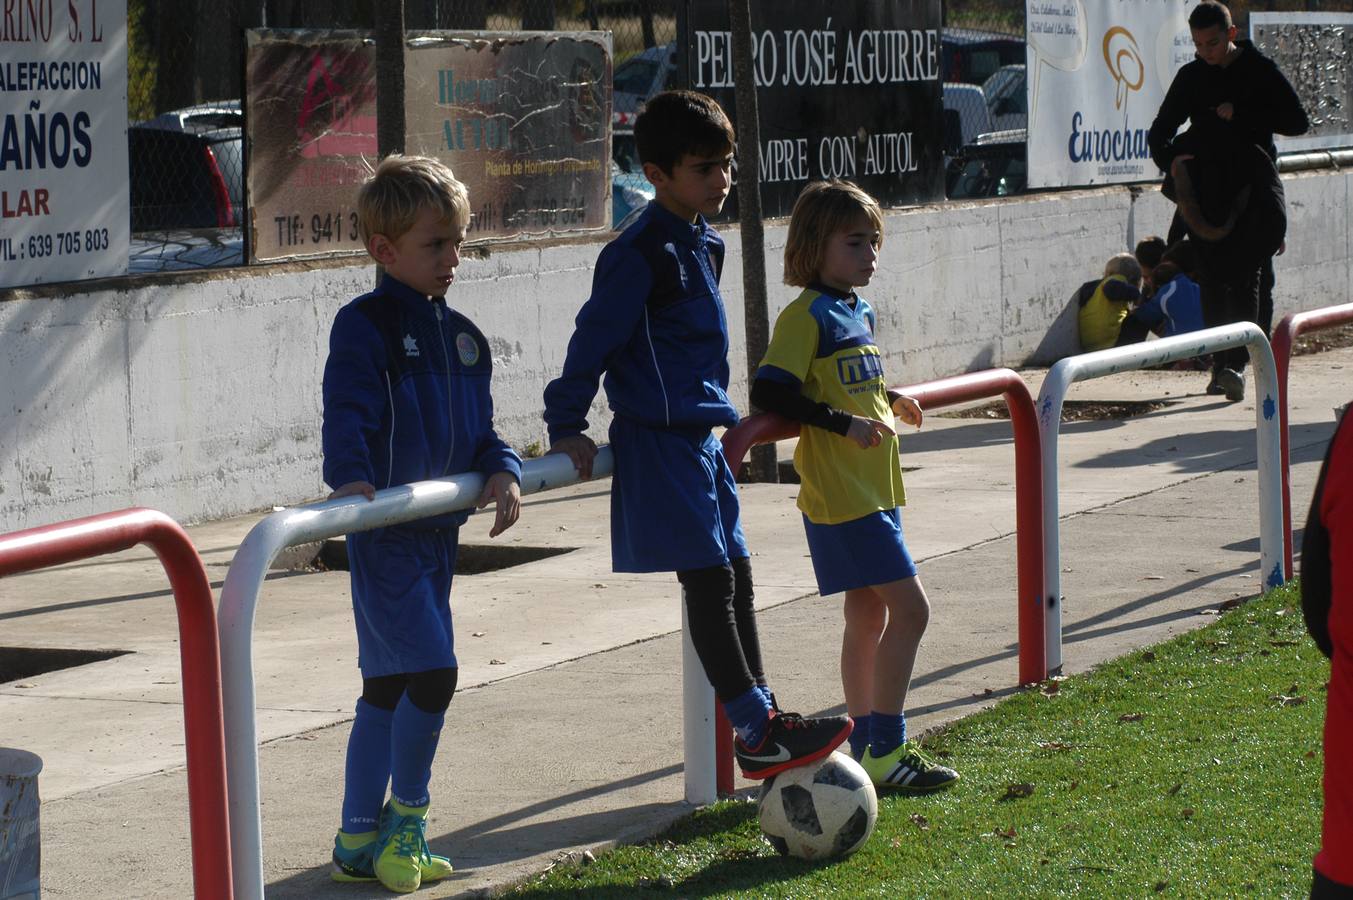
1072	410
1336	338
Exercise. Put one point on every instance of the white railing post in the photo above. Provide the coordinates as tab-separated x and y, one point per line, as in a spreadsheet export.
1139	356
697	732
239	602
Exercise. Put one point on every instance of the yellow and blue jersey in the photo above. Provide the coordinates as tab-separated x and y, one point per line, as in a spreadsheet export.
825	347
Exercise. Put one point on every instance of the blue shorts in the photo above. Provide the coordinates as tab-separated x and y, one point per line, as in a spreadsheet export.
674	502
401	599
859	553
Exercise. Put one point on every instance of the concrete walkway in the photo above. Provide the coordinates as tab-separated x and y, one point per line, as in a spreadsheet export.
566	731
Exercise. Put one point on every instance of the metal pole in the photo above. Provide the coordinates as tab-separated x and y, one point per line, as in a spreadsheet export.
697	733
763	466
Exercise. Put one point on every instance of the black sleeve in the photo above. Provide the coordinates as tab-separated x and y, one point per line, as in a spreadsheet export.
1316	587
786	400
1172	113
1276	108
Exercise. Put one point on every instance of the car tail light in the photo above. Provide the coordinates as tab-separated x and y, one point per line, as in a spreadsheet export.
225	213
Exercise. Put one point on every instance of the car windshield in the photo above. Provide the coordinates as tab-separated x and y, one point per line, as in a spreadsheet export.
636	76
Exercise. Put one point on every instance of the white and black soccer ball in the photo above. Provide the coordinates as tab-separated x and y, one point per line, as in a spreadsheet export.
818	811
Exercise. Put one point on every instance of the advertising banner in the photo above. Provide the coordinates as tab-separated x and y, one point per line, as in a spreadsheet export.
1314	51
522	119
845	90
64	208
1097	72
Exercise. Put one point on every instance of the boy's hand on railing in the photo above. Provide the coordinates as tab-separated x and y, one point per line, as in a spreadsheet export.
867	432
581	449
365	488
503	488
908	409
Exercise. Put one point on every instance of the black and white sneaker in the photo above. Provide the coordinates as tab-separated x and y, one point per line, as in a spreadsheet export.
791	740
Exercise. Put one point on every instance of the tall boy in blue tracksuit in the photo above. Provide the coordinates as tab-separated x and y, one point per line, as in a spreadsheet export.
406	398
655	327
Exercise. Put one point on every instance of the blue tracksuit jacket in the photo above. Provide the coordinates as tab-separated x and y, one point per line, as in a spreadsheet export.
655	325
406	394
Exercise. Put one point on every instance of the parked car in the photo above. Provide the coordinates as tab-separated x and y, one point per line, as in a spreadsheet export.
965	117
971	56
640	77
994	165
187	168
630	190
1007	94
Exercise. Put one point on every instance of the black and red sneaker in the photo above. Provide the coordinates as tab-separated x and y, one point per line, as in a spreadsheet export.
791	740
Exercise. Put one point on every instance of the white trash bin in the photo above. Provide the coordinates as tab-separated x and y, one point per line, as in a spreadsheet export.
20	838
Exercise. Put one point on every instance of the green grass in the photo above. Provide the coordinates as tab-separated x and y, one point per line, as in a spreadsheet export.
1191	769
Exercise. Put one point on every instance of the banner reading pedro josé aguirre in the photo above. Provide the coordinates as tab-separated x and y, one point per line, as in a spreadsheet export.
63	141
522	119
845	90
1097	72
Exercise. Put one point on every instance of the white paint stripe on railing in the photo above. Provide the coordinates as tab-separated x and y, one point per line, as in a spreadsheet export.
239	601
1141	356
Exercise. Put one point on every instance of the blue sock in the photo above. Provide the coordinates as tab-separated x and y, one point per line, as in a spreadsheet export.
413	744
749	714
859	737
368	768
766	692
889	731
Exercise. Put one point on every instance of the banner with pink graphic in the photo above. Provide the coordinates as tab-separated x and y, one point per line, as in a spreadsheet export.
1097	72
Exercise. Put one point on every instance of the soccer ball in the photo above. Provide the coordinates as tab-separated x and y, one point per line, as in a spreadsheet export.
824	809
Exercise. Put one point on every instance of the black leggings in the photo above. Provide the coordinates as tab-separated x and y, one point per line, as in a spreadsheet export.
722	623
430	691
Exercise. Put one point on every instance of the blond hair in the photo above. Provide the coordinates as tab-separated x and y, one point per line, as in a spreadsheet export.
400	188
1126	265
823	209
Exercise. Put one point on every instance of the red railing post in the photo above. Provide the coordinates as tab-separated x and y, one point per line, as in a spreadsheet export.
767	428
1284	336
204	731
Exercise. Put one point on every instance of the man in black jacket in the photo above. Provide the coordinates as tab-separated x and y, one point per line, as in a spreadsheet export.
1233	97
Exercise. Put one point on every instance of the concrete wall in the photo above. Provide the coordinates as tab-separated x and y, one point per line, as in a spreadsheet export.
199	394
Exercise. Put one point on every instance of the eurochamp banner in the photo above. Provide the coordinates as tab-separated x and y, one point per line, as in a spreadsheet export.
1097	73
523	119
844	90
63	142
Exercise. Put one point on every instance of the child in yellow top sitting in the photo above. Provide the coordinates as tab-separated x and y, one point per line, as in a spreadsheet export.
1104	305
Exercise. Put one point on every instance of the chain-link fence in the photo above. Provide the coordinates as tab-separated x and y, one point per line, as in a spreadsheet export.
186	77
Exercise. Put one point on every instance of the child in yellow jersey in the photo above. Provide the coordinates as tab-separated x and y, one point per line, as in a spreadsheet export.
824	370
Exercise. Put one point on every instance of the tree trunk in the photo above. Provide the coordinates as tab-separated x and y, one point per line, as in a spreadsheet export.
176	28
763	466
389	77
646	23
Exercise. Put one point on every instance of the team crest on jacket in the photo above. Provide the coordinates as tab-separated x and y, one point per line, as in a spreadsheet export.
468	348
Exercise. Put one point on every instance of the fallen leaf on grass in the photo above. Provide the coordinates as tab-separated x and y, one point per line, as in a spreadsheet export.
1054	745
1018	790
920	821
1283	643
1161	885
1007	833
1310	754
1233	603
1187	812
1149	656
1285	700
1049	688
1131	717
1174	790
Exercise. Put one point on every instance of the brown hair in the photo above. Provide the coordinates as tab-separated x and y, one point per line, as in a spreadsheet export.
400	188
681	123
823	209
1208	14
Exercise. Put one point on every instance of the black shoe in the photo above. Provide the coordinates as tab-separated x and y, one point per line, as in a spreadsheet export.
790	741
1232	384
1214	389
